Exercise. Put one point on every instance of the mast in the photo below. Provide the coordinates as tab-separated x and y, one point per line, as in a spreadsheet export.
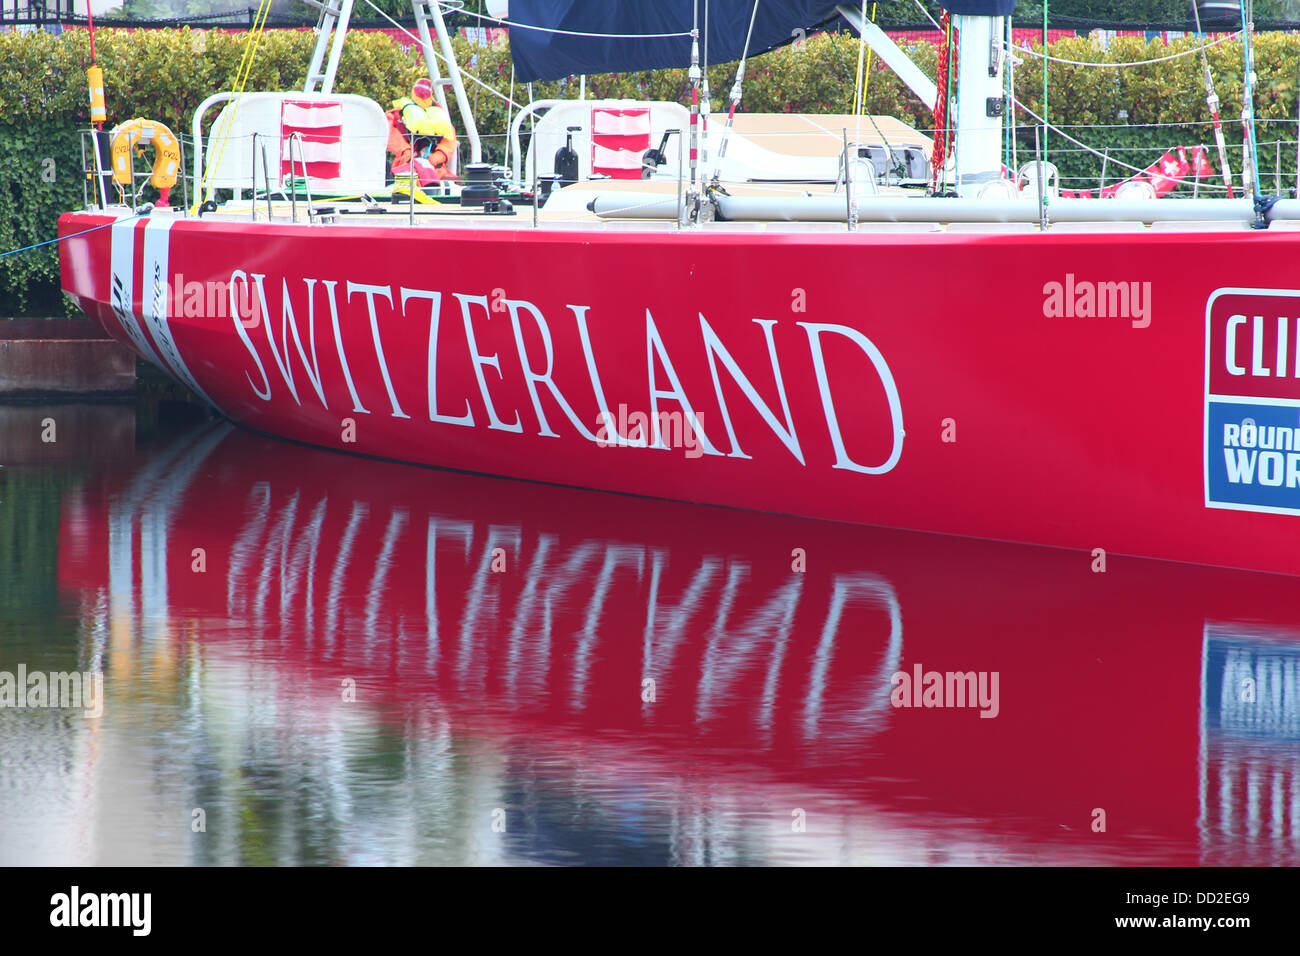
981	100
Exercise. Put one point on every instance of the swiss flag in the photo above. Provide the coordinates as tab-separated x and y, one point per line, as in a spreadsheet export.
1166	172
1198	160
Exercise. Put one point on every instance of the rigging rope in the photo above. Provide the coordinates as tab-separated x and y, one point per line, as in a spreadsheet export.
706	99
737	90
1046	112
575	33
1008	95
695	74
866	80
90	15
1097	152
1212	101
927	15
1160	59
463	72
862	46
1248	92
241	80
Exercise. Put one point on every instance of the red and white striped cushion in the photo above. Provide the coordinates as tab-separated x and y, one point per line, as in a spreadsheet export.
618	140
319	153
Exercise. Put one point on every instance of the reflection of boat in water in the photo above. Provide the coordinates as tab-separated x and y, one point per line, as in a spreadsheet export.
1250	739
522	622
1003	362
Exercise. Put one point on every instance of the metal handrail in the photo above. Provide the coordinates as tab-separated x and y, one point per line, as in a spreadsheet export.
266	179
181	179
252	198
296	136
849	218
196	129
293	195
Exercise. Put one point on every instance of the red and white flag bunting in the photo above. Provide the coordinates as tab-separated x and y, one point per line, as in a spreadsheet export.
1165	174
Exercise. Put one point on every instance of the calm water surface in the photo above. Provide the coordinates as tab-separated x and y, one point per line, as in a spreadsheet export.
310	658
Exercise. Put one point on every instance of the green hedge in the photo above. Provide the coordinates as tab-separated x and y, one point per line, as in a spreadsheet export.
165	74
39	178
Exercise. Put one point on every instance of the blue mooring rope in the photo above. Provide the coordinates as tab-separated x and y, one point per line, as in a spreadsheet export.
37	245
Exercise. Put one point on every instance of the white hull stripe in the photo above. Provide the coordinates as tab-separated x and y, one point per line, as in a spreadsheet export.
157	300
122	287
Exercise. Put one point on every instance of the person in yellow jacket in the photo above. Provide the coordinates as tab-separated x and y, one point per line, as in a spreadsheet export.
435	137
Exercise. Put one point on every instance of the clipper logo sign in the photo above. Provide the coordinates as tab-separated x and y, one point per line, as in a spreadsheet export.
1252	400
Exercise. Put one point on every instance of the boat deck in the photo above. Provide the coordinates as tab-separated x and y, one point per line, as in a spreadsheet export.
393	215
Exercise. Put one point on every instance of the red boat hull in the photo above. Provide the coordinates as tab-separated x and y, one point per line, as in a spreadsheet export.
958	383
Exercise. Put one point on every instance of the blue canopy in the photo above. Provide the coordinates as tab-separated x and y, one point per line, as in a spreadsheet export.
979	8
622	36
540	55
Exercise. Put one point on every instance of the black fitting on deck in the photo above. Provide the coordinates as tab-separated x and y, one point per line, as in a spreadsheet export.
1262	206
